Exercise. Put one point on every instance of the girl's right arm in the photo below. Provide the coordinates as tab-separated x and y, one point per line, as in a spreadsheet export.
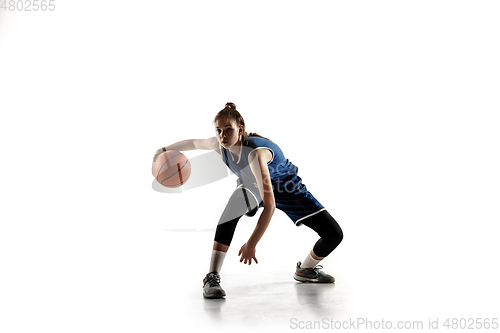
207	144
191	144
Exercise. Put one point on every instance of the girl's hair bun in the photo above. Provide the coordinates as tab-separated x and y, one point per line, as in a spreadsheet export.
230	105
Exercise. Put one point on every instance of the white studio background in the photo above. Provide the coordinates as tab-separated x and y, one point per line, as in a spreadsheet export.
388	108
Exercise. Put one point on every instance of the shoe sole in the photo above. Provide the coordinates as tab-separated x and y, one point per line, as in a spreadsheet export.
212	296
303	279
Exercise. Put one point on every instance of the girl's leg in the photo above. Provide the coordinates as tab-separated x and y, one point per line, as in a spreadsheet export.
237	206
330	232
330	237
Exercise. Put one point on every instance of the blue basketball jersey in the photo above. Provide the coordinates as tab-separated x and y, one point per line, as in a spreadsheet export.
291	195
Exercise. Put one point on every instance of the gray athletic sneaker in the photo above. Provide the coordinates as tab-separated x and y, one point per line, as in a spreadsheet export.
312	275
211	286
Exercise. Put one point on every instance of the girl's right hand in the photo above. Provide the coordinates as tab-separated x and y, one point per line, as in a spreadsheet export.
158	152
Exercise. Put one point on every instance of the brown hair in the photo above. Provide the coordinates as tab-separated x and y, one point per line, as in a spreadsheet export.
230	112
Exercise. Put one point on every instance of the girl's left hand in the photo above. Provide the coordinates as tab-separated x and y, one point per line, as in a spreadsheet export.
247	252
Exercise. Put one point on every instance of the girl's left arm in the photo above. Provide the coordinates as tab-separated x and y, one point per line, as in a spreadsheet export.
258	164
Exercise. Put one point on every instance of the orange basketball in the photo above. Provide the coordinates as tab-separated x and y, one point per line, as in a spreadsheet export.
171	168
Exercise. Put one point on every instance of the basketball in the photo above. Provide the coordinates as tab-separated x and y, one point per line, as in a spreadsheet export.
171	168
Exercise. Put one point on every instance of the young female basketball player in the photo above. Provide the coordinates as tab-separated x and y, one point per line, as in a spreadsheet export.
266	179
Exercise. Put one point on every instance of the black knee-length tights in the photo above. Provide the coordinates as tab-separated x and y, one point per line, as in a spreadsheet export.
242	202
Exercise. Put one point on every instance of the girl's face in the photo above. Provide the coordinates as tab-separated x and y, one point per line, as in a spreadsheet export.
227	132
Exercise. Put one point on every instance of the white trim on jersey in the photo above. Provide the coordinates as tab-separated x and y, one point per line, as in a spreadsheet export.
257	201
231	154
297	223
239	153
248	157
